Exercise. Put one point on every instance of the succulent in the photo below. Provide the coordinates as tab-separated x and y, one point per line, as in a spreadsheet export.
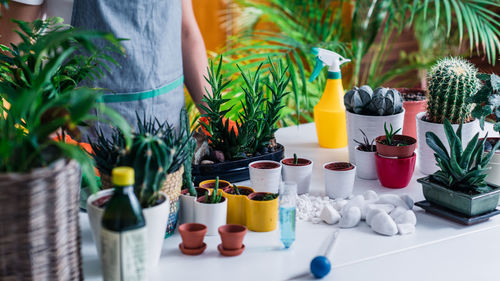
216	196
460	170
389	134
365	101
366	145
487	100
452	81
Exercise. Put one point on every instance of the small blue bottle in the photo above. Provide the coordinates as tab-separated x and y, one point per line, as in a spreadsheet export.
288	197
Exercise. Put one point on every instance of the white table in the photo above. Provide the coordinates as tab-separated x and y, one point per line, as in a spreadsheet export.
438	250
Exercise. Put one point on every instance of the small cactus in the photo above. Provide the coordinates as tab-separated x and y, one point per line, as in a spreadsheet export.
357	99
451	82
365	101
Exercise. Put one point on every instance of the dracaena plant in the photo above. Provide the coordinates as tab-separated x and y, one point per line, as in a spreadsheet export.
460	169
34	107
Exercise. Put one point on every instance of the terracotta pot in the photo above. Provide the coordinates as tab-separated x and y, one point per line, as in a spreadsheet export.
236	210
232	236
395	172
339	179
412	107
396	151
299	173
192	235
265	175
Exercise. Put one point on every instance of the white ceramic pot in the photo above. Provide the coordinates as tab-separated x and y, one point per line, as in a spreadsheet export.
493	174
301	175
339	184
211	215
156	222
373	126
186	211
425	155
365	162
265	175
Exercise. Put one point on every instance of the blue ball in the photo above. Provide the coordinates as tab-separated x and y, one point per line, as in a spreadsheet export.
320	266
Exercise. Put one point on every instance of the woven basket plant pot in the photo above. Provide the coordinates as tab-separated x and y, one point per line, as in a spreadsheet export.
40	232
172	187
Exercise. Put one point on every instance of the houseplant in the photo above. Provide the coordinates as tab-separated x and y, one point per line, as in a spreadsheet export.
192	238
452	81
40	177
365	154
236	200
339	179
262	211
487	100
369	110
251	137
265	175
392	145
414	102
298	170
211	210
459	183
157	155
232	239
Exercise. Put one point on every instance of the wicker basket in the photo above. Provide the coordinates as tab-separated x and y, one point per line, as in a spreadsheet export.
40	231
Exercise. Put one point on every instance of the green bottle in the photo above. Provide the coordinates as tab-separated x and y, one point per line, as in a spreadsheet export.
123	234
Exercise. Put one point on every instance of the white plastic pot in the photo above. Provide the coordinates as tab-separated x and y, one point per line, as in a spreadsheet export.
425	155
186	211
339	184
365	163
156	222
301	175
373	126
265	180
211	215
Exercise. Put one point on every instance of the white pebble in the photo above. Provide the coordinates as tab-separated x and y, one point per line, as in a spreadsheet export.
382	223
339	204
350	217
406	228
392	199
371	213
398	211
407	217
316	220
329	215
357	201
408	200
370	195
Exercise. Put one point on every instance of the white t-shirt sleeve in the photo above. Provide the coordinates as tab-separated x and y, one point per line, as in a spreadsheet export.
29	2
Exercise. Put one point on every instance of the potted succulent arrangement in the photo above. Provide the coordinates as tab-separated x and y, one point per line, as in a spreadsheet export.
459	184
265	175
236	200
339	179
157	156
40	177
229	146
369	110
232	239
211	210
414	102
192	235
298	170
262	211
452	81
365	154
395	158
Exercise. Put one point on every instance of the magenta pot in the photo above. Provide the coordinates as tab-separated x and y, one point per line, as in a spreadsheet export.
395	172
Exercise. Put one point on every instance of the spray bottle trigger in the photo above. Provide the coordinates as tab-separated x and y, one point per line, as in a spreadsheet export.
343	60
317	69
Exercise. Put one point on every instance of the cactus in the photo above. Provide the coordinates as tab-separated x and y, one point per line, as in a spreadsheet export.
451	82
365	101
357	99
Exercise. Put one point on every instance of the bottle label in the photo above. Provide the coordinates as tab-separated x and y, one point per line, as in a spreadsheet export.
123	255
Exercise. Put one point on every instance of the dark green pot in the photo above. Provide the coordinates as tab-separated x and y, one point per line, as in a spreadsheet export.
469	205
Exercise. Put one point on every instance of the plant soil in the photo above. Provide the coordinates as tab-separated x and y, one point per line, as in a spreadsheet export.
243	191
339	166
412	94
263	196
300	162
373	148
222	185
265	165
490	143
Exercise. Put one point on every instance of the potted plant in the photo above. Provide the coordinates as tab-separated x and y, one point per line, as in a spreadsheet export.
231	146
459	183
452	81
494	164
40	177
365	155
487	101
339	179
414	102
236	200
392	145
262	211
211	210
210	184
232	239
188	193
155	146
192	235
265	175
369	110
298	170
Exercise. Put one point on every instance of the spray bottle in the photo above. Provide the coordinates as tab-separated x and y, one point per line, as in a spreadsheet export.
329	113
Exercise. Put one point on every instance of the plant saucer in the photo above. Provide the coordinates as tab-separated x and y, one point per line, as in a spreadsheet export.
192	252
455	216
230	253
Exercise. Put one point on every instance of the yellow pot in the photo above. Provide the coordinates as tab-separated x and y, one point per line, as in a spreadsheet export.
210	184
236	206
261	216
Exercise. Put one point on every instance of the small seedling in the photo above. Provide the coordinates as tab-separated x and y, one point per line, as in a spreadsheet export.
270	196
366	145
236	189
295	159
389	134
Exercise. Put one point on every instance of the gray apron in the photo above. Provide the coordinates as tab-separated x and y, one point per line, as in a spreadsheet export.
149	78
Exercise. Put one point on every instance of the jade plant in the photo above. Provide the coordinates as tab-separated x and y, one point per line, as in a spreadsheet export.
378	102
487	100
366	145
452	81
462	170
216	196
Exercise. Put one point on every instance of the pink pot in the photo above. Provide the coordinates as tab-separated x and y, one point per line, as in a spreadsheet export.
412	108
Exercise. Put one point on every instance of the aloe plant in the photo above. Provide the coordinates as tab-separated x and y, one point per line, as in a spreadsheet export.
460	169
390	133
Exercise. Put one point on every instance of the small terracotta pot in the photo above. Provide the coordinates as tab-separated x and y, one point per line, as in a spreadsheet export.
232	236
412	108
396	151
395	172
192	235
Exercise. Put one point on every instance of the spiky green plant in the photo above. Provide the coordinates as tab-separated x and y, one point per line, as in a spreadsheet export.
216	196
452	81
390	133
366	145
460	170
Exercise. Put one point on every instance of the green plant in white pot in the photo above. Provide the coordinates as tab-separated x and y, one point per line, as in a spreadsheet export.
459	184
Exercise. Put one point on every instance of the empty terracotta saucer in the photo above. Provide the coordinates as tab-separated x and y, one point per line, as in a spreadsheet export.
230	253
192	252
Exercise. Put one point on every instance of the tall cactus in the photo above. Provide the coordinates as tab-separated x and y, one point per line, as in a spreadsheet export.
451	82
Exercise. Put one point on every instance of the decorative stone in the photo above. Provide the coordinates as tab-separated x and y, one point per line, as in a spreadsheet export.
350	217
382	223
370	195
357	201
407	217
316	220
371	213
339	204
219	155
408	200
206	162
392	199
329	215
406	228
398	211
